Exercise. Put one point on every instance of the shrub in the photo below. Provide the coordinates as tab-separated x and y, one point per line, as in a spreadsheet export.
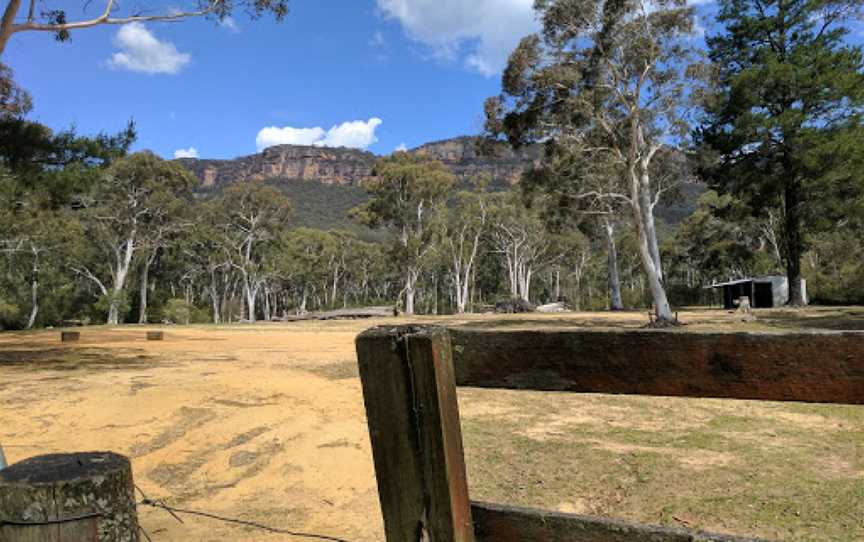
512	306
9	315
177	311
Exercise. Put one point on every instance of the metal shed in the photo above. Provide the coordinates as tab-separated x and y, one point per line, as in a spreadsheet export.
764	292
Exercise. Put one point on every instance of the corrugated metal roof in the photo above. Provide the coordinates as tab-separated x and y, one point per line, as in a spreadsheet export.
729	283
769	278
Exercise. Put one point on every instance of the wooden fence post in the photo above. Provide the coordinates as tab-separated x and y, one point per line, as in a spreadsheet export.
409	388
79	497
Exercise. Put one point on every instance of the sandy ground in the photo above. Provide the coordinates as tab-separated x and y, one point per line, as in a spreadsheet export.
259	423
264	423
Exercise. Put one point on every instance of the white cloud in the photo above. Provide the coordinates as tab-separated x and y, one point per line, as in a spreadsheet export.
228	23
481	32
272	135
141	51
356	134
401	148
191	152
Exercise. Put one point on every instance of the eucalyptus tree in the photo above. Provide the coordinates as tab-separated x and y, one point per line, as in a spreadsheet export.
345	245
784	118
720	240
577	194
408	197
45	175
569	254
161	228
118	216
606	82
56	17
466	225
519	237
304	262
14	100
43	239
249	217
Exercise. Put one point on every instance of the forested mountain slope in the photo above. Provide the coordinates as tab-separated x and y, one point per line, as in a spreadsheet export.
324	183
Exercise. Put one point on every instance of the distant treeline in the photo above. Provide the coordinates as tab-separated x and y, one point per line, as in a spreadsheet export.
93	234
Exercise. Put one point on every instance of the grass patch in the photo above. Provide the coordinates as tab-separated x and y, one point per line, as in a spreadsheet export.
778	471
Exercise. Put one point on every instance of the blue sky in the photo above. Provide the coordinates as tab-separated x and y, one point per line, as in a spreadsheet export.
422	68
372	74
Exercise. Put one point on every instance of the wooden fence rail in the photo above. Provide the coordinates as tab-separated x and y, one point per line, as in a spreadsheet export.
409	376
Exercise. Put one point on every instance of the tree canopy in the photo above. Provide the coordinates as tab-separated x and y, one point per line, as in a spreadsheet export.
783	117
603	83
57	19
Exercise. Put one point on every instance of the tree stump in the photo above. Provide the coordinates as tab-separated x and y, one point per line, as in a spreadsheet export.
69	336
86	497
155	335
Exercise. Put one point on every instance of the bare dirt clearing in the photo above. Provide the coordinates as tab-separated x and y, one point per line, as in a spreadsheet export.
266	423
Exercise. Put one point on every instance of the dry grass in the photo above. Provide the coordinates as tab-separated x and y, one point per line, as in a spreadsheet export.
266	423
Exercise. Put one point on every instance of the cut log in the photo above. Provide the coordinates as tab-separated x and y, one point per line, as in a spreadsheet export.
344	314
69	336
552	307
363	312
86	497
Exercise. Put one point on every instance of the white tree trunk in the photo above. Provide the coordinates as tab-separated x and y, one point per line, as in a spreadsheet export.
267	313
34	301
410	291
303	298
250	294
121	272
145	283
643	216
34	290
615	301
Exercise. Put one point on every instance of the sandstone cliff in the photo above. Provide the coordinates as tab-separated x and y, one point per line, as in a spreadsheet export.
348	167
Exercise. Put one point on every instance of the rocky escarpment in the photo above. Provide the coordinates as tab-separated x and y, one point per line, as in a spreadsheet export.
326	165
348	167
463	157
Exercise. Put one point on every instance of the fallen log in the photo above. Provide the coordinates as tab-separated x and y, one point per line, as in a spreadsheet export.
344	314
552	307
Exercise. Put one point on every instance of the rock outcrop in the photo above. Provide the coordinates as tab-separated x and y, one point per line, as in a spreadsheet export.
348	167
326	165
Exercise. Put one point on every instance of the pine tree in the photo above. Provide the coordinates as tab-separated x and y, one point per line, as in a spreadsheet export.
784	115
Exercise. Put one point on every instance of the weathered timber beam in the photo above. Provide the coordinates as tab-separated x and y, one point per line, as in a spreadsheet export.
819	367
410	394
500	523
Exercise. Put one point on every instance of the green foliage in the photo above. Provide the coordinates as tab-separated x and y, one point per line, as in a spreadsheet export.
404	190
118	300
834	265
56	20
721	240
178	311
326	207
9	315
14	100
61	166
605	86
783	128
408	195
